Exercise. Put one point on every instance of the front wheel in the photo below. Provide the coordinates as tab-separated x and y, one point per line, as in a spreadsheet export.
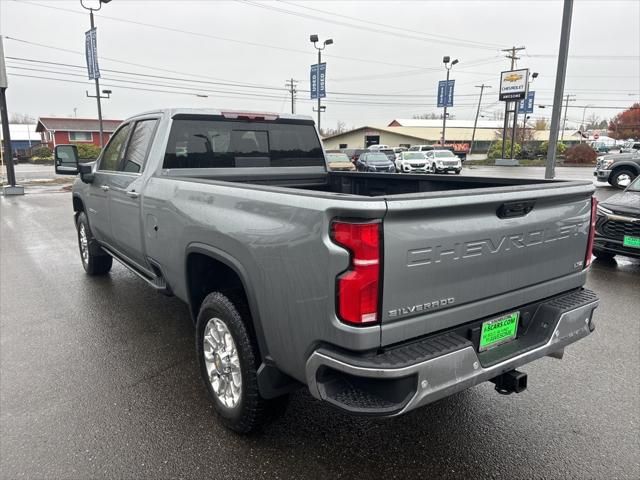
229	361
621	178
93	264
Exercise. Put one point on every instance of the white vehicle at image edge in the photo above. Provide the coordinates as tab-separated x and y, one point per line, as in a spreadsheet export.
444	161
413	162
375	148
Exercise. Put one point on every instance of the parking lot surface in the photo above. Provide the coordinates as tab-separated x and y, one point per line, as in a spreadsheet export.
99	380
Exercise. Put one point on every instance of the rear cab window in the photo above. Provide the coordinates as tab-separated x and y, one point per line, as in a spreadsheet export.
198	141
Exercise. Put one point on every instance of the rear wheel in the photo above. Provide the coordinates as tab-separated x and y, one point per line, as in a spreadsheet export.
622	177
93	264
229	361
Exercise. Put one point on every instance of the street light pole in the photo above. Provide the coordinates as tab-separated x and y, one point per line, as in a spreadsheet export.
448	66
314	40
561	72
98	97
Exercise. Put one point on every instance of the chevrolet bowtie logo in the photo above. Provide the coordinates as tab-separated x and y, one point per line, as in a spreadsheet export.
514	77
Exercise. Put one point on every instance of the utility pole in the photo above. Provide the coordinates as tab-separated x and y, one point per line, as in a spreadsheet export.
566	106
512	56
475	123
291	85
7	150
561	73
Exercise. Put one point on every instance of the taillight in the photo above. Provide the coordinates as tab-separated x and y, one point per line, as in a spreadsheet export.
357	289
592	231
250	116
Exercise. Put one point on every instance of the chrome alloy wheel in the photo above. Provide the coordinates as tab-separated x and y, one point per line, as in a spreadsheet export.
222	362
84	244
624	180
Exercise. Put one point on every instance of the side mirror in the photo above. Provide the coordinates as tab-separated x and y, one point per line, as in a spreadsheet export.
66	159
86	171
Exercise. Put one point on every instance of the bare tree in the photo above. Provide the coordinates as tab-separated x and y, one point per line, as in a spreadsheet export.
427	116
541	124
21	118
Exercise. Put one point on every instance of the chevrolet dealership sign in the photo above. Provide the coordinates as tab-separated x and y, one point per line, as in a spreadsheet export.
513	84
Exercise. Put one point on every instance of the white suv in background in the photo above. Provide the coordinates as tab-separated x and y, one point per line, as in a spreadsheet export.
444	161
413	162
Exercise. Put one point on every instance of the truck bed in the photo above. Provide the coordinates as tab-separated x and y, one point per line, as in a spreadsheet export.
368	184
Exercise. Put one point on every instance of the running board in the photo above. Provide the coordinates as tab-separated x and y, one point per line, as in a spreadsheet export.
157	281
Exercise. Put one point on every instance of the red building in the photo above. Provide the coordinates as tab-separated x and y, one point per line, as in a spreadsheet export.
56	131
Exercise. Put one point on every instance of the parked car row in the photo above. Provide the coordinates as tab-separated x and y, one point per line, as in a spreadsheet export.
386	159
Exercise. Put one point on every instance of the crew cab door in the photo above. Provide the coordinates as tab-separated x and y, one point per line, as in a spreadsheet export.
125	199
98	193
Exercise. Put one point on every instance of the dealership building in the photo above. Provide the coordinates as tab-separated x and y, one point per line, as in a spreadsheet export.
407	132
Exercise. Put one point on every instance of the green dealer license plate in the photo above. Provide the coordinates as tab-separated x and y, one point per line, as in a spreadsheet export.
631	241
498	331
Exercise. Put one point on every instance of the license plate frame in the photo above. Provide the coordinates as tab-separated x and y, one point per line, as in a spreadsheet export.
498	331
631	241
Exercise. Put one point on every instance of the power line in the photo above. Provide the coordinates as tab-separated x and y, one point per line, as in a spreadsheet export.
449	41
224	39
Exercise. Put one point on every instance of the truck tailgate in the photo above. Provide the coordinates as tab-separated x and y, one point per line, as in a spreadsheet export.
451	252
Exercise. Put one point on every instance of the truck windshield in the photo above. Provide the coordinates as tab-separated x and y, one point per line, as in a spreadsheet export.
204	143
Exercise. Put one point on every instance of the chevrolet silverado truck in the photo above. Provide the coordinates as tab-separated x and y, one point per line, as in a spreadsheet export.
380	293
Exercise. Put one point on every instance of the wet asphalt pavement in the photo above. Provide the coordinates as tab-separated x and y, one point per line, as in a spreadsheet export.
98	379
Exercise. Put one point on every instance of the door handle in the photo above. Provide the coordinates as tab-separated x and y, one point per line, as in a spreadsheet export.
105	188
133	194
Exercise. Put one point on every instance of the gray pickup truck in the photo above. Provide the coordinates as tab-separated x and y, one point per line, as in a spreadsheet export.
380	293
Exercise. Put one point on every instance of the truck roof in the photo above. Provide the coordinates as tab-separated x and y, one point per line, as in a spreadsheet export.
170	112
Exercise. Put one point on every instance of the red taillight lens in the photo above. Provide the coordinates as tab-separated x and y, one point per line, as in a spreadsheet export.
592	231
358	288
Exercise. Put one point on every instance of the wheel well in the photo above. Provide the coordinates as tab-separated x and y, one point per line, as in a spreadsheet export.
78	206
206	275
633	168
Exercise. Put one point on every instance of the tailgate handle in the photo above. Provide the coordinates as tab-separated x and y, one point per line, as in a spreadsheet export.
514	209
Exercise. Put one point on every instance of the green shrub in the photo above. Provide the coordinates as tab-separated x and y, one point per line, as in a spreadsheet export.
42	152
88	151
544	148
495	151
581	154
42	160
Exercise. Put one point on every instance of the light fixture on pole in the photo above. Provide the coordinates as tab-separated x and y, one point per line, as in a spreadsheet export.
448	64
95	74
314	39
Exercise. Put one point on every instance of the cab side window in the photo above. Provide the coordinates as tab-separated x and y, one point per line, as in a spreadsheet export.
113	151
138	146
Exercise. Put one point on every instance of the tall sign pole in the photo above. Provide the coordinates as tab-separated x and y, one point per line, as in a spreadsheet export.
7	151
513	58
561	73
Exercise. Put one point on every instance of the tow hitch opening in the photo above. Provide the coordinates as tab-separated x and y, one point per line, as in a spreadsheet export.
510	382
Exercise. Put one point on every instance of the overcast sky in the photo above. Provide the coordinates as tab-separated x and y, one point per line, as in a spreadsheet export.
385	62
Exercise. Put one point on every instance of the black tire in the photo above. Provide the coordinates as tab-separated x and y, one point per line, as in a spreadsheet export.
93	264
603	255
252	411
617	174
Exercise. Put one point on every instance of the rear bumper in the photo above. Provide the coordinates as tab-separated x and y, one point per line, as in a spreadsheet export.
411	375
